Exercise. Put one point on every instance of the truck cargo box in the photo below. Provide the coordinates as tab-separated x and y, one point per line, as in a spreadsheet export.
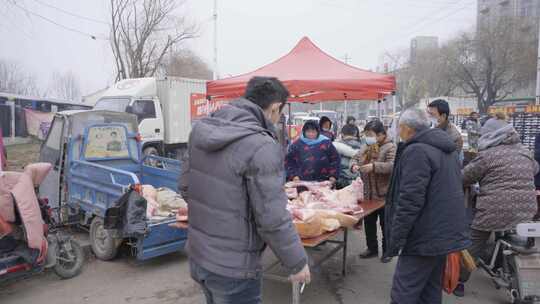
174	94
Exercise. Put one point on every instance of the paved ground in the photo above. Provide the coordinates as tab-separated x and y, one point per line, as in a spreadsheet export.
165	280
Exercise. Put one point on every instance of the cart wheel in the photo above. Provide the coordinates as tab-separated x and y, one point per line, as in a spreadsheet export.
70	260
104	245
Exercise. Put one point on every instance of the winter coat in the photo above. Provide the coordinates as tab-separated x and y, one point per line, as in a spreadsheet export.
316	161
505	171
454	134
537	158
376	183
329	134
347	149
425	214
233	181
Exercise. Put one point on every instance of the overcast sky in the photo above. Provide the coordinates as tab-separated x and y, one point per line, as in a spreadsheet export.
251	33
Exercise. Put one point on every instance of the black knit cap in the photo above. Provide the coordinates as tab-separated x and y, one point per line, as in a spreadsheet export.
349	130
311	125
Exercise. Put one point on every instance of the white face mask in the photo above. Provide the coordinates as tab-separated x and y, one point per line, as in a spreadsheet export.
434	121
370	140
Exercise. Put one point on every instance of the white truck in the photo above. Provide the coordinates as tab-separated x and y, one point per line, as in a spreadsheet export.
163	107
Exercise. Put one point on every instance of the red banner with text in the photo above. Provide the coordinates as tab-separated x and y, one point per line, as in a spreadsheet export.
201	107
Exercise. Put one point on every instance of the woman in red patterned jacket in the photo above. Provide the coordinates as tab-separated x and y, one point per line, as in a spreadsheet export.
312	157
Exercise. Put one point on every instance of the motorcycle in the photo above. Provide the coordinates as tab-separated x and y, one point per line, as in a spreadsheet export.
514	263
18	258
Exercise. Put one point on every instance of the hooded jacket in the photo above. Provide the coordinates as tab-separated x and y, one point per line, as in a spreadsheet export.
313	160
347	147
233	182
505	171
425	213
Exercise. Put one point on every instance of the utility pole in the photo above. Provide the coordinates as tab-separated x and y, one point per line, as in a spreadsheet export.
346	58
538	69
216	73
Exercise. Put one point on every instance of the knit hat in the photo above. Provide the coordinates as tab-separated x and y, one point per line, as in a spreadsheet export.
493	124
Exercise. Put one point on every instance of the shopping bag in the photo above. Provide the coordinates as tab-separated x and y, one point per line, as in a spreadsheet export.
467	261
451	272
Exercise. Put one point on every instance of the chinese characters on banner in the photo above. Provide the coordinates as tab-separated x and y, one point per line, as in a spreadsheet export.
201	107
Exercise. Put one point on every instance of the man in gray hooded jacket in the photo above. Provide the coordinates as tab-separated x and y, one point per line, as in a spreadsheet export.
233	182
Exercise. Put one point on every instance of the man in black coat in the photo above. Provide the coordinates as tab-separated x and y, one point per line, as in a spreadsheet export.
425	211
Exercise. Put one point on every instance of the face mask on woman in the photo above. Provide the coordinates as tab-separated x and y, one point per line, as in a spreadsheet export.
371	140
434	121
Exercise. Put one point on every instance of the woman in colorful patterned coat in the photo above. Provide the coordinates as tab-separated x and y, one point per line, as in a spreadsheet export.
505	170
312	157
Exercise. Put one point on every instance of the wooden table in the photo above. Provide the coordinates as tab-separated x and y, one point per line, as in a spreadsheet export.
327	238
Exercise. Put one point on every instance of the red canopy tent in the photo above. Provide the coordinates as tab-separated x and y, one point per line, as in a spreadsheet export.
311	75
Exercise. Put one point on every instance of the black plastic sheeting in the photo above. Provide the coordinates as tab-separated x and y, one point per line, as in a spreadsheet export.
5	120
20	122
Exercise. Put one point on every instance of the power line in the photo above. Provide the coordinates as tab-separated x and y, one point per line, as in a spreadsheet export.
426	18
72	14
92	36
445	16
425	21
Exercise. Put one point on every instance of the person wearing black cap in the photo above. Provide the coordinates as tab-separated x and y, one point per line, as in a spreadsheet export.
351	122
325	125
312	157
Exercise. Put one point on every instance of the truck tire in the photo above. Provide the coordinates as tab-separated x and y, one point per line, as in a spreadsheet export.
104	245
69	264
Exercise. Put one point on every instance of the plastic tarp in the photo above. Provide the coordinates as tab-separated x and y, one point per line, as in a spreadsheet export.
311	75
38	123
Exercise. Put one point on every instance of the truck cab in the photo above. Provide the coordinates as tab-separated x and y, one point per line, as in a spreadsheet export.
139	97
162	107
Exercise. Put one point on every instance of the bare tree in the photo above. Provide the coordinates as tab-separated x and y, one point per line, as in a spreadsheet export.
186	63
427	76
15	80
491	63
143	32
64	86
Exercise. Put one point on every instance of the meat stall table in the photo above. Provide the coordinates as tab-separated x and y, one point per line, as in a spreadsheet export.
368	206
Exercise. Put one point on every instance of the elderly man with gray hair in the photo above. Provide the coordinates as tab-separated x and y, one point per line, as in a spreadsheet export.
425	214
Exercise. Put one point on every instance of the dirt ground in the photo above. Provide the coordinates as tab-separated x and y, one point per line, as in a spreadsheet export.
21	155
